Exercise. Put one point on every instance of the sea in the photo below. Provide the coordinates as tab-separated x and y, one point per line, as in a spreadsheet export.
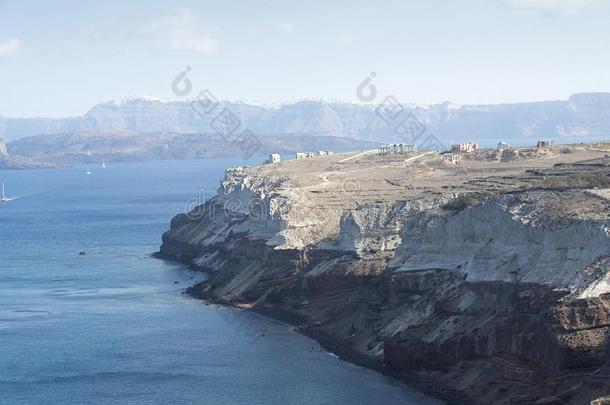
88	316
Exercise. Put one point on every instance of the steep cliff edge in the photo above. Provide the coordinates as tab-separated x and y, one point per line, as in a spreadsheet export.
487	281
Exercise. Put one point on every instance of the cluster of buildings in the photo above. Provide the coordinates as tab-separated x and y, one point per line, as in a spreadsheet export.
275	157
303	155
397	148
452	156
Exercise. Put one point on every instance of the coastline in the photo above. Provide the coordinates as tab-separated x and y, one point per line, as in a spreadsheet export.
435	288
331	344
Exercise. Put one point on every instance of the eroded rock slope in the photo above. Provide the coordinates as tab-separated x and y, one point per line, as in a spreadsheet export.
484	282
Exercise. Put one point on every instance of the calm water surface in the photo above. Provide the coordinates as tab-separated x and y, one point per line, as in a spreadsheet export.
112	327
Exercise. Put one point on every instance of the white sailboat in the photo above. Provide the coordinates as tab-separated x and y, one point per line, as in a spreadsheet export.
88	172
4	198
103	165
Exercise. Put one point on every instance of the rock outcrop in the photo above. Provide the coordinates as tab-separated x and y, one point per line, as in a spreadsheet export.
502	297
3	151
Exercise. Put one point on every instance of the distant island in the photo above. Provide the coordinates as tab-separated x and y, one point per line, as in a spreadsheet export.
20	162
97	146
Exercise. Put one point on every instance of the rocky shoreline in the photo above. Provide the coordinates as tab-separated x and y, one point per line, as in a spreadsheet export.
336	345
478	289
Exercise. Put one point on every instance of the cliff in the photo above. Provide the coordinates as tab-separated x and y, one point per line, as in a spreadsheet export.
483	282
3	151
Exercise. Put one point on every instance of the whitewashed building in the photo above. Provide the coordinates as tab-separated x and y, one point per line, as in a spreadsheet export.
273	158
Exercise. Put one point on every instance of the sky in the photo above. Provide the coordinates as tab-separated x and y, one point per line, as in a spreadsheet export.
60	58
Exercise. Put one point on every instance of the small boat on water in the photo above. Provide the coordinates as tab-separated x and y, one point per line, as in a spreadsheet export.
88	172
4	198
103	165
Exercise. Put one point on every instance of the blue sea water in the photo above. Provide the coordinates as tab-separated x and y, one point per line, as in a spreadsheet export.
113	327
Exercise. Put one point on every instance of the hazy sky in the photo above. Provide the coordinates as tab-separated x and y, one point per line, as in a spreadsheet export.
59	58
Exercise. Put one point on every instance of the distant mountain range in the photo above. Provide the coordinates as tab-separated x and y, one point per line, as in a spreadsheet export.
584	116
142	128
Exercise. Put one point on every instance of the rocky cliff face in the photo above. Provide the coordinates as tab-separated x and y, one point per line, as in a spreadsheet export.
3	151
505	299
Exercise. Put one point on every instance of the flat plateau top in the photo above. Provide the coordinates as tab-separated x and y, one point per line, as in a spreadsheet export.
364	177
